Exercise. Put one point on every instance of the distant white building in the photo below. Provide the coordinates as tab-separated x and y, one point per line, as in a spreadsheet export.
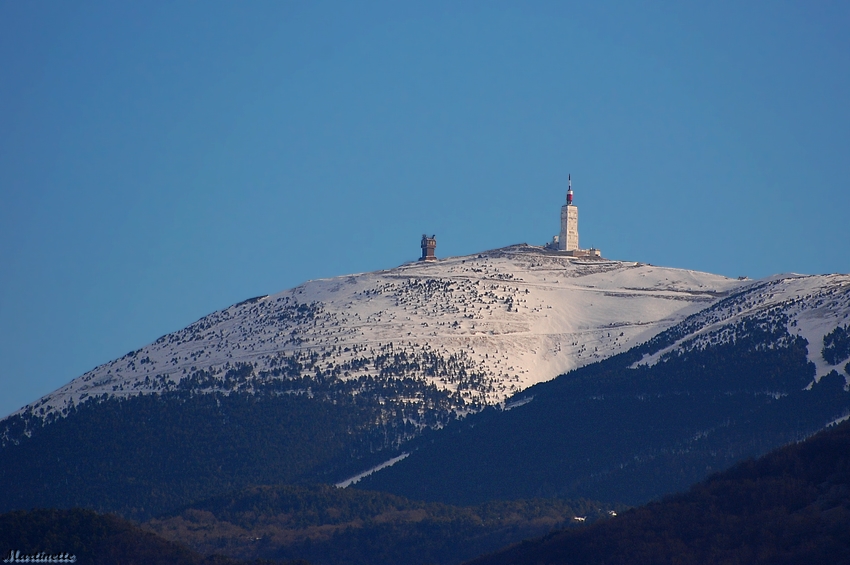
567	240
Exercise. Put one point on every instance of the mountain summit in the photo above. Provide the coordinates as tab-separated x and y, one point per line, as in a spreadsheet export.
481	327
334	377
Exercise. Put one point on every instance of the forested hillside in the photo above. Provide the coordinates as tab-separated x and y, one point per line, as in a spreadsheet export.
332	526
173	449
789	507
90	538
623	431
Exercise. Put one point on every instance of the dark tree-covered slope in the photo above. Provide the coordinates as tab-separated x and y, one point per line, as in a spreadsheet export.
153	453
91	538
789	507
333	526
620	432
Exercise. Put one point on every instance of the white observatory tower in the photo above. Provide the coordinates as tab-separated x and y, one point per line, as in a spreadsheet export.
568	238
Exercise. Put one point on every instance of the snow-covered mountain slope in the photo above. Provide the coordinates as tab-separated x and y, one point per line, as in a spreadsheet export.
762	367
807	306
481	326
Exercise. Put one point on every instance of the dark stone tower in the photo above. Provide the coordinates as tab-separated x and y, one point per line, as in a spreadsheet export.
429	244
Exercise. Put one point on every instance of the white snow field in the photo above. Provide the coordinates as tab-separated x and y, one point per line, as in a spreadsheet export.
812	305
501	321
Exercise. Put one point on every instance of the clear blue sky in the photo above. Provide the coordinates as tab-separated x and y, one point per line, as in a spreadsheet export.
159	161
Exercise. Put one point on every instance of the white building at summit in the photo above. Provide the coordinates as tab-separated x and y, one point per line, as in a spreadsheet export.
567	240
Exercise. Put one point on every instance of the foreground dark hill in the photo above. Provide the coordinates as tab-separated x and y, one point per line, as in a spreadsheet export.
789	507
652	421
332	526
88	537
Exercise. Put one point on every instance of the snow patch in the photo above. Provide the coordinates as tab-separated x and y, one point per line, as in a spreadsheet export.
838	421
356	478
813	306
517	403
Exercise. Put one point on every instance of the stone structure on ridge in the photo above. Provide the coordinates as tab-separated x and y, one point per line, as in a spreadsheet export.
429	244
